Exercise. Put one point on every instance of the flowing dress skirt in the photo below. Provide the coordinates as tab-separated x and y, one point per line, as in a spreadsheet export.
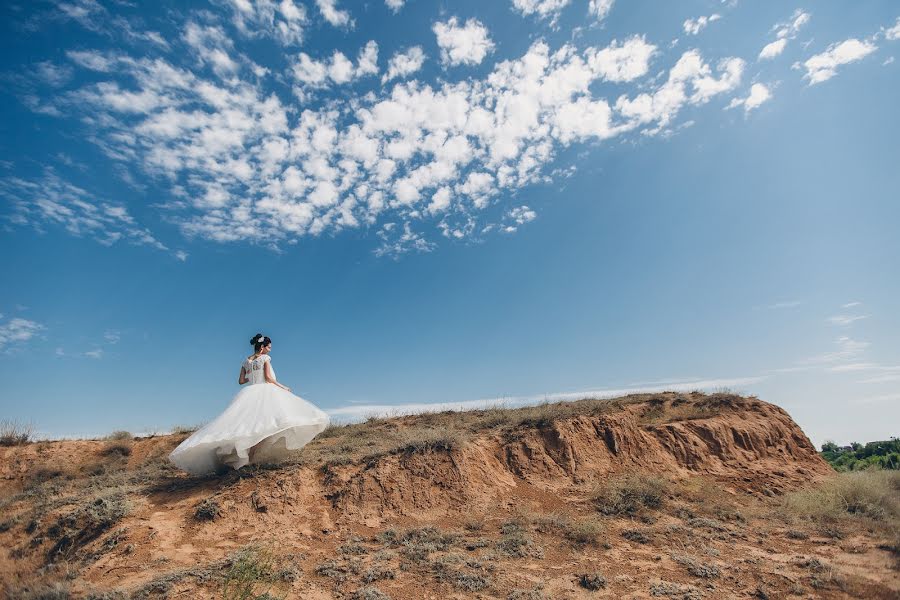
262	424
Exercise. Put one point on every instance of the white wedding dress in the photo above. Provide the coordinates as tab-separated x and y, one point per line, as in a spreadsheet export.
261	425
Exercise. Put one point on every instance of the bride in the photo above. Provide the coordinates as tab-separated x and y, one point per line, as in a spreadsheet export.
263	422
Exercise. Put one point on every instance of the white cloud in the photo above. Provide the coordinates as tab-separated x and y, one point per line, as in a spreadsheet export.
16	331
332	14
241	165
404	63
599	9
851	304
519	215
53	75
96	353
339	70
784	31
395	5
690	73
467	44
773	49
622	62
695	26
893	33
759	93
542	8
282	20
823	67
844	320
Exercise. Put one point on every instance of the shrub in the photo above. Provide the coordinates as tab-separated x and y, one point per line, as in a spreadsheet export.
251	575
208	510
592	581
120	436
118	447
14	433
628	495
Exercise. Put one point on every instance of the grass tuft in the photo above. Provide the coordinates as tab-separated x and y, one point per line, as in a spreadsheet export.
630	494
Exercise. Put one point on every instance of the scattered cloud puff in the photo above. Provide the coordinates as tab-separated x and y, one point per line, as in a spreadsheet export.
851	304
783	32
543	9
405	63
467	44
241	165
893	33
395	5
16	331
283	20
600	9
759	93
695	26
311	74
332	14
822	67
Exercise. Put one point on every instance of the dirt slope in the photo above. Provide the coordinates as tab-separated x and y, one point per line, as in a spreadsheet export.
488	504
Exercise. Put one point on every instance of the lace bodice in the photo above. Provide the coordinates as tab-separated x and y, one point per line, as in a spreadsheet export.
255	369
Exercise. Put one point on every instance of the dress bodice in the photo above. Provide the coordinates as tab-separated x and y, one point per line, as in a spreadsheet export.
254	369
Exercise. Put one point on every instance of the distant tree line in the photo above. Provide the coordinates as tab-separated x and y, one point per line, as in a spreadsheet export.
856	456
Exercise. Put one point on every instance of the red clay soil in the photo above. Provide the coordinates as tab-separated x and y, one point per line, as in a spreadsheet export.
746	452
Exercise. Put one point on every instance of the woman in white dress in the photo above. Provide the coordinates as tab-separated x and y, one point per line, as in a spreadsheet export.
262	424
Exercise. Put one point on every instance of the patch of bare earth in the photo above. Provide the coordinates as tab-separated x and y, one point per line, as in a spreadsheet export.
665	495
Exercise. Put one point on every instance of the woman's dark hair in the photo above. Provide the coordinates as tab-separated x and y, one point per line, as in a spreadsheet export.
266	340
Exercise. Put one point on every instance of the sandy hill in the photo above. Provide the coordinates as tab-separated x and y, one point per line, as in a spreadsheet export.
664	495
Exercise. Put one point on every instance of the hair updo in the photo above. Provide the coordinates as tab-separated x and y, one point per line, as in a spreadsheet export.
266	340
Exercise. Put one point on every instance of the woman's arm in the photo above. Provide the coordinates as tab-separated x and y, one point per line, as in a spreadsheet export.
270	377
242	378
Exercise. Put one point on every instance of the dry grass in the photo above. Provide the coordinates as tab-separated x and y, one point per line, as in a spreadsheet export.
15	433
120	436
629	494
871	494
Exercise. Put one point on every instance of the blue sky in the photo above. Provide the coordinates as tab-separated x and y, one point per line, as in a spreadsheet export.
428	203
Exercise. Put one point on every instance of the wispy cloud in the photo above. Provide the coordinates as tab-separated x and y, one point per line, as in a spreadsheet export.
844	320
695	26
783	305
17	331
52	200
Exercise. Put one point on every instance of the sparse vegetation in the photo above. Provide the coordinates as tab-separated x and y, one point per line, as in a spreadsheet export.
252	574
872	494
119	436
15	433
592	581
629	494
86	522
208	510
369	593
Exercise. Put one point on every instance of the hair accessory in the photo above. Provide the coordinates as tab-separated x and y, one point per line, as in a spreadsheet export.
260	339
